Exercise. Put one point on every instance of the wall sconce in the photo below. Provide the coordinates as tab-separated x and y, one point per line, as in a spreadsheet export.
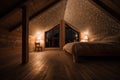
85	37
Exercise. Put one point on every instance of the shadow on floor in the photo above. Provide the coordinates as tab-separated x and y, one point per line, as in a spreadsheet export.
100	58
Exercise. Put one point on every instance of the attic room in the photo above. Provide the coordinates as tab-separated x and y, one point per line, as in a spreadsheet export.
59	40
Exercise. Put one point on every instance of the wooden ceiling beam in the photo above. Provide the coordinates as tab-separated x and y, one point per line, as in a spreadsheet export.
25	35
36	14
107	9
13	8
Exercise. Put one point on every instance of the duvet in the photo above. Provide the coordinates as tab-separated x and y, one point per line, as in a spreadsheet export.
101	48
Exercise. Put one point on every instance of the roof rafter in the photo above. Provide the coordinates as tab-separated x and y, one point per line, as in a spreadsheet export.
13	8
34	15
107	9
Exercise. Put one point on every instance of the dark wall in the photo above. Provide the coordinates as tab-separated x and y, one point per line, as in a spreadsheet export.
10	46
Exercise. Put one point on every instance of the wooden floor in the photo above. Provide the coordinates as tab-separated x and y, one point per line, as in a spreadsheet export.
56	65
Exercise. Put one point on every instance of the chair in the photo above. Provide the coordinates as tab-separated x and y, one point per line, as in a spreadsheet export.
37	46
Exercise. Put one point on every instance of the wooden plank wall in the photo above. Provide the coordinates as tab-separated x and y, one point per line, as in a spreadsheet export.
10	46
31	43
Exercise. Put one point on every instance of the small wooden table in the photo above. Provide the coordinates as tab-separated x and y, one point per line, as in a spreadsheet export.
38	47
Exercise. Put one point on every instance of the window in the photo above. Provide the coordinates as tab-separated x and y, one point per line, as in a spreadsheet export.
52	37
70	34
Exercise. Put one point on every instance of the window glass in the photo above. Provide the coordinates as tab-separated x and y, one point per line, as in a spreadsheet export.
52	37
71	35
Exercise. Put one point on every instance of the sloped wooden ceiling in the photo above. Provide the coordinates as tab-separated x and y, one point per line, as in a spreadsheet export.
110	6
7	6
113	4
80	13
13	19
49	18
86	16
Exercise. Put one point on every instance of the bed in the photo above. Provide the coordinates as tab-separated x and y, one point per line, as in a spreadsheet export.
106	47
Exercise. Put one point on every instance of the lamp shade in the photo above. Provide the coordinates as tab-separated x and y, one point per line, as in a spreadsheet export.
38	37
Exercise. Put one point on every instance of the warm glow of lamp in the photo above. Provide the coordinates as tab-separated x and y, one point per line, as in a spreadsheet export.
85	37
38	37
76	35
86	33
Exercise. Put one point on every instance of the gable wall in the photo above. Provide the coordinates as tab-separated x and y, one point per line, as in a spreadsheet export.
46	21
88	17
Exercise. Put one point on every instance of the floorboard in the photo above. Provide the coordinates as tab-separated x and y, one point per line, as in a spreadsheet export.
56	65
